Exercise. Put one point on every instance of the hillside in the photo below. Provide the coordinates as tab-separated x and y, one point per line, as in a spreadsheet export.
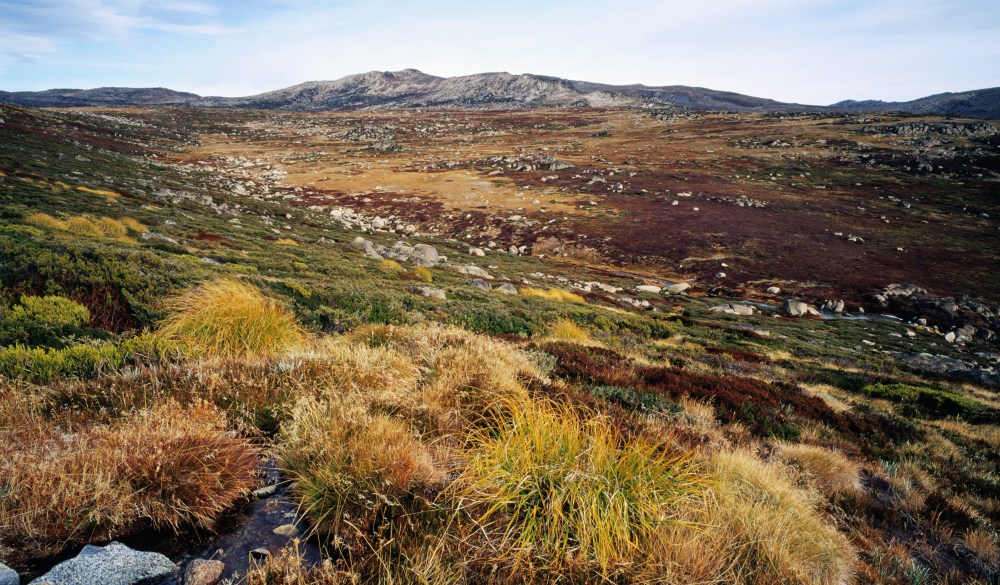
543	346
410	88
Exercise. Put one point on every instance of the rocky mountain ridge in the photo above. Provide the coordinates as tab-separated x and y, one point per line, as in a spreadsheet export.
410	89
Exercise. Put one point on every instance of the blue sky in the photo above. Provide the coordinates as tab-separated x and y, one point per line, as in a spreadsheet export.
808	51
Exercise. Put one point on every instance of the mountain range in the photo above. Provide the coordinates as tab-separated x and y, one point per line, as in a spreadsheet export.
413	89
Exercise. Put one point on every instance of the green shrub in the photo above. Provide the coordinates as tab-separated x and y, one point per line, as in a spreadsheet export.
42	321
43	365
924	400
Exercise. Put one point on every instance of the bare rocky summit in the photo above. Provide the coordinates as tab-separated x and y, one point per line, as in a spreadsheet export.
411	89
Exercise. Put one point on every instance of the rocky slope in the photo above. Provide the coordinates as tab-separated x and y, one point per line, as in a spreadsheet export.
413	89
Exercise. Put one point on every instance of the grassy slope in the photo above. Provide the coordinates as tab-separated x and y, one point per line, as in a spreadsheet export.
919	502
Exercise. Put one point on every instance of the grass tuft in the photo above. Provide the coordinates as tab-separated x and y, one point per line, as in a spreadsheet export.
82	226
286	242
226	317
560	486
567	330
134	225
552	294
44	220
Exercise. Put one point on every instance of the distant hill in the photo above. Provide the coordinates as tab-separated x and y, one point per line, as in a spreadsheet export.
413	89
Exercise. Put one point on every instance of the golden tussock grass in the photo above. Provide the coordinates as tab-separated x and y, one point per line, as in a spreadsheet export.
111	228
44	220
170	466
423	273
347	463
290	568
559	487
285	242
772	530
983	542
567	330
829	470
390	266
82	226
552	294
101	192
133	225
226	317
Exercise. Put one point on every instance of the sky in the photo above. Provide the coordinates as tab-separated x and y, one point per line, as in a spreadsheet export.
805	51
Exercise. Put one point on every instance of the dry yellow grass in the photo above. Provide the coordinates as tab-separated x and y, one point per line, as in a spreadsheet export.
82	226
423	273
44	220
390	266
169	466
347	463
285	242
226	317
133	225
567	330
559	488
983	542
752	527
830	471
101	192
111	228
552	294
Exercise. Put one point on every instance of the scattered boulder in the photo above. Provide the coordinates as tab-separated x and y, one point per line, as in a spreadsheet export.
115	564
649	288
477	252
676	289
473	270
773	290
204	572
734	309
8	576
479	283
430	292
506	289
797	308
425	255
720	274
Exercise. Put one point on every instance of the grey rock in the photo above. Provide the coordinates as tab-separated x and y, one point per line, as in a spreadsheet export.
266	491
430	292
479	283
115	564
8	576
679	288
365	245
473	270
260	553
425	255
720	274
950	337
649	288
506	289
203	572
477	252
797	308
286	530
733	309
773	290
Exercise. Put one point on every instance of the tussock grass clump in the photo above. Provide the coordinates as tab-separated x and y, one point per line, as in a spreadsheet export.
390	266
44	220
111	228
348	464
170	466
82	227
831	471
772	531
133	225
226	317
552	294
562	488
102	192
290	568
285	242
423	273
567	330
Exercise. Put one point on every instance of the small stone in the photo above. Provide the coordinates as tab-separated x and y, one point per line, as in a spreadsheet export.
204	572
114	564
650	288
288	530
950	337
477	252
773	290
676	289
266	491
260	554
8	576
720	274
